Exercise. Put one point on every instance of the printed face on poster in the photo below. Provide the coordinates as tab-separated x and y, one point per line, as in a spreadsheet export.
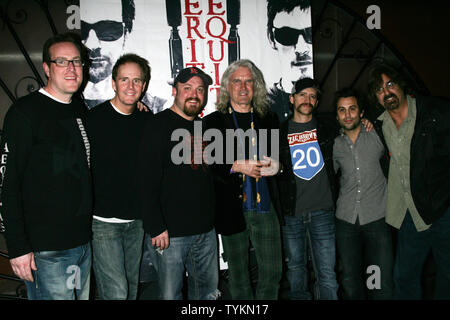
209	34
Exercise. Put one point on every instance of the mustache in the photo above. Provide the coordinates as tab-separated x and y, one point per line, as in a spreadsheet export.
193	99
306	104
301	59
95	54
389	96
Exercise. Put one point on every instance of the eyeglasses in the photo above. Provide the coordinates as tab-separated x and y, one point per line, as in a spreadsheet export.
65	63
289	36
106	30
389	85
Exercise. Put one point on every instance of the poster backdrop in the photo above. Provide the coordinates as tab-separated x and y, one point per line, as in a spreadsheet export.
209	34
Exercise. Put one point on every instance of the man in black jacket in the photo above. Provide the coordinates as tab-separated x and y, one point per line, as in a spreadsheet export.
246	196
308	193
417	133
46	194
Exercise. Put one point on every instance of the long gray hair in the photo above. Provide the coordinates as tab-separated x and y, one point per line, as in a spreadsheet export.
259	102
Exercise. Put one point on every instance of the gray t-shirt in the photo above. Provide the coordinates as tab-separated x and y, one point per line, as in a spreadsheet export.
313	187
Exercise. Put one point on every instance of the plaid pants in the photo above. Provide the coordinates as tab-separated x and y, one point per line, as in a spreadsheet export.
263	230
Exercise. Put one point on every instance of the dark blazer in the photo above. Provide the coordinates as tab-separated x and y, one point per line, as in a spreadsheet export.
229	217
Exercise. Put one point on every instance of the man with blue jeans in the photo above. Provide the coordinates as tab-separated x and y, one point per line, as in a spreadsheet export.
46	191
417	133
307	193
115	131
362	236
177	199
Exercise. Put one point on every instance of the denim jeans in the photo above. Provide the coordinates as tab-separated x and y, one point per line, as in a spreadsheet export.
195	254
61	275
148	272
117	251
412	250
263	230
360	246
319	225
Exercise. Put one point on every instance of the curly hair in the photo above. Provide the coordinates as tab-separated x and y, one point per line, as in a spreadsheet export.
259	101
375	80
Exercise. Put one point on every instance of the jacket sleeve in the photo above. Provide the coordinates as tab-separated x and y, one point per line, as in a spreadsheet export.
150	178
16	147
221	168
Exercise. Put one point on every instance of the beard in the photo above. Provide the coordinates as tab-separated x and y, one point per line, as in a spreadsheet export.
351	126
393	104
101	66
192	111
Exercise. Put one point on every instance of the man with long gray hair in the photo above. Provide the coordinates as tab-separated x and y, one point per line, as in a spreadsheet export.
246	196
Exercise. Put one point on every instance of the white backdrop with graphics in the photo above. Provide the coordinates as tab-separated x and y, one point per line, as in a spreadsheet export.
205	33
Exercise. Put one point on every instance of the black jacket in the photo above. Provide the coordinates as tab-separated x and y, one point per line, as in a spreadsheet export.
430	158
229	218
327	130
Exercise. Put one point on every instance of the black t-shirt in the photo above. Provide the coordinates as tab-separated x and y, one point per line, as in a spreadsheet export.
313	187
180	194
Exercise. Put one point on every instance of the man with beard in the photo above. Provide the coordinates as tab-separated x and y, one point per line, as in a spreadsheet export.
307	193
290	34
362	236
105	27
417	133
177	196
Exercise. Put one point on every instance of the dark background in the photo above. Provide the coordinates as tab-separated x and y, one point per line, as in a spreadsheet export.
420	31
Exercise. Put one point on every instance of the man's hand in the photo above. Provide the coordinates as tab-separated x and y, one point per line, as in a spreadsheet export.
367	124
251	168
23	265
270	167
161	241
142	107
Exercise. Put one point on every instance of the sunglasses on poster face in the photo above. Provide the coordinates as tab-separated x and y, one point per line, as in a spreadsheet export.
289	36
106	30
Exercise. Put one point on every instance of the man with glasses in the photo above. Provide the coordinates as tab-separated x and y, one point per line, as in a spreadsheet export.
105	27
290	34
46	193
417	133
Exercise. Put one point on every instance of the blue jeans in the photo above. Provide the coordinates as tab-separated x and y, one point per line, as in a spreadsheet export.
117	251
412	250
319	225
148	272
198	256
358	247
61	275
